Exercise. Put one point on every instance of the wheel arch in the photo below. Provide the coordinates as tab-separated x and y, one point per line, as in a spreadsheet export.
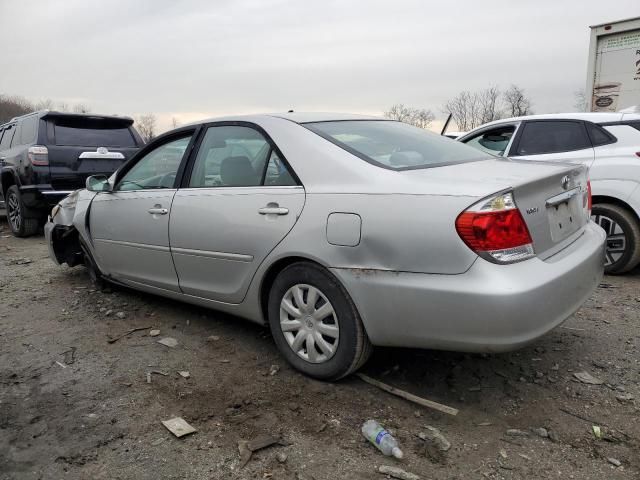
8	178
596	199
270	275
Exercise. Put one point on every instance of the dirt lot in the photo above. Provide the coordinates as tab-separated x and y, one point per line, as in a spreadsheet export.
73	405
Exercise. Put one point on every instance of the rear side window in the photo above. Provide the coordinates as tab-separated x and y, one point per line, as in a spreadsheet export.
6	137
552	137
394	145
92	133
599	136
28	133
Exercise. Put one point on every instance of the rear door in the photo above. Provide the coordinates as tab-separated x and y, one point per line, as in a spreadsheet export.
238	202
80	146
553	140
130	226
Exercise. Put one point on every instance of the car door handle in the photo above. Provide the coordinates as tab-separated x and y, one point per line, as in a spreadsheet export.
158	211
273	211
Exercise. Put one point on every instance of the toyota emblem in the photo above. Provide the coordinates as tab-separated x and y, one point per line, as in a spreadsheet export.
102	150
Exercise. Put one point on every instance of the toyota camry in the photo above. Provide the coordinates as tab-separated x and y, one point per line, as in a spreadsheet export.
342	232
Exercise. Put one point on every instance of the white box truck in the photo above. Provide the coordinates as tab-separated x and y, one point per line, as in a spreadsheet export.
613	71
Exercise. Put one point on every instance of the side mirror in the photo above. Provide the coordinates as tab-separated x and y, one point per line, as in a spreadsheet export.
98	183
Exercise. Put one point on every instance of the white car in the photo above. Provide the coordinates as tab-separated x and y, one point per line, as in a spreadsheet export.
608	143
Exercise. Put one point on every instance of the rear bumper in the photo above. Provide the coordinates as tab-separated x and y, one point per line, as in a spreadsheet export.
489	308
42	197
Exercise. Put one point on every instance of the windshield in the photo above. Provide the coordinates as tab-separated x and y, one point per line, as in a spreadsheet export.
394	145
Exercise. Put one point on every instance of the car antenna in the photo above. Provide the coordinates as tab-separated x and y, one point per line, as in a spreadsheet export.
446	124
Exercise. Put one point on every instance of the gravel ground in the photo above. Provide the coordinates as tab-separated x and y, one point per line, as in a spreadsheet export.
74	405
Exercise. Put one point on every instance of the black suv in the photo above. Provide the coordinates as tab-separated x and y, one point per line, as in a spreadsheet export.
46	155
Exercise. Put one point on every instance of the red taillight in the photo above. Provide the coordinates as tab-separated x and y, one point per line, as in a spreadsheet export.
589	199
487	231
494	229
38	155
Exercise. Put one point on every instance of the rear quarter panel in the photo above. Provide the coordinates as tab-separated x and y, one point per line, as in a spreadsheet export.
409	233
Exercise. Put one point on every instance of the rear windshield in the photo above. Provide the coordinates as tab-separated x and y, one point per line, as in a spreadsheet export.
395	145
92	133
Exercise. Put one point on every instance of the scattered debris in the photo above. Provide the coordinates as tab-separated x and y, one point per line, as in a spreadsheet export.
61	364
184	373
503	453
514	432
148	377
397	472
21	261
70	356
121	315
129	332
178	427
607	285
213	338
281	457
597	431
246	448
526	457
408	396
586	377
168	342
625	397
154	333
484	424
436	444
541	432
381	439
614	461
273	370
159	372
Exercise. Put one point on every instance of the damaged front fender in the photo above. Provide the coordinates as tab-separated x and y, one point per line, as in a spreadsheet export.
66	228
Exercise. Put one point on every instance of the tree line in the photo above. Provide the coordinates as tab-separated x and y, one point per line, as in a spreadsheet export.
469	109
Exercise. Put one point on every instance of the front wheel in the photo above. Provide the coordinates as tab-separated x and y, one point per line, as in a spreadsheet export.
315	324
622	252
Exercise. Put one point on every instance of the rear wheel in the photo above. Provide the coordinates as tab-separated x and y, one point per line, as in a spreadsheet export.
315	324
623	237
20	225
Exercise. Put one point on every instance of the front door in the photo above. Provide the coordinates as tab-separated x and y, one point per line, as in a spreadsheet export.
130	226
240	202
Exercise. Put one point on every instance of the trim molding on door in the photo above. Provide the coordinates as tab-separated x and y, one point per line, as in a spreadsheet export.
146	246
236	257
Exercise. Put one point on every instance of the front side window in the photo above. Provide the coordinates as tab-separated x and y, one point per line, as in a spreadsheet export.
494	141
158	168
552	137
394	145
236	156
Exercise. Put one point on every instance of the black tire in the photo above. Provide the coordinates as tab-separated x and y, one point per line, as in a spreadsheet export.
623	251
19	223
353	346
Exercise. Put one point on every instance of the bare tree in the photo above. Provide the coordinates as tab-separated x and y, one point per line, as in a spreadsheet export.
472	109
418	117
516	102
13	106
44	104
580	101
174	122
81	108
146	126
63	106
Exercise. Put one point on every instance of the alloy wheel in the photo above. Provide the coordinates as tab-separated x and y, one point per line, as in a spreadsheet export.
616	238
13	211
309	323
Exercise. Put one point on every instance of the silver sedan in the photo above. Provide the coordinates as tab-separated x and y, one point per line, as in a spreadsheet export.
342	232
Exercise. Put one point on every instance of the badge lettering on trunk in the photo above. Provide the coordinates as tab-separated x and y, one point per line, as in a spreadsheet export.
565	182
532	210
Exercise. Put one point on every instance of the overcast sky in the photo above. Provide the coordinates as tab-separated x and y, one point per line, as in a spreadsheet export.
194	59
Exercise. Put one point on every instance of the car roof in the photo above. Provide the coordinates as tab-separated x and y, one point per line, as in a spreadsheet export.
297	117
595	117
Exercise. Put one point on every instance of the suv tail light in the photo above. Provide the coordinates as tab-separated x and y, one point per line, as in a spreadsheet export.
38	155
589	198
495	230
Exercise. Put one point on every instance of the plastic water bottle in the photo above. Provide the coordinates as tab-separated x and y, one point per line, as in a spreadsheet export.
376	434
